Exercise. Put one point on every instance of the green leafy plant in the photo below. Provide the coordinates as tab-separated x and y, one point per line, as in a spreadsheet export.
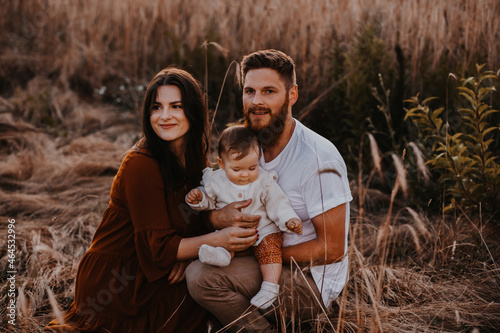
462	151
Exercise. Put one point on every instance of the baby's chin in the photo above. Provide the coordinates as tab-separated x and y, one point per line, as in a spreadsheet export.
244	182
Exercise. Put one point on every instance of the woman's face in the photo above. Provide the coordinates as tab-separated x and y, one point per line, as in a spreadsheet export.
167	116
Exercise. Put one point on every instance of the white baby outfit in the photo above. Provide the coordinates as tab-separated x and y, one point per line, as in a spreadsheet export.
268	199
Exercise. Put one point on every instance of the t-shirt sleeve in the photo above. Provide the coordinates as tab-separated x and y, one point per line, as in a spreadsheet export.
156	240
326	188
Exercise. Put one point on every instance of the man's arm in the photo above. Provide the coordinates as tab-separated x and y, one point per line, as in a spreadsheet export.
328	247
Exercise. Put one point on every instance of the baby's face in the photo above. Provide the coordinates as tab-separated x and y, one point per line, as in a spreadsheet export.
242	171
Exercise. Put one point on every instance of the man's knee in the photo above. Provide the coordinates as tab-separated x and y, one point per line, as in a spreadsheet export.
196	278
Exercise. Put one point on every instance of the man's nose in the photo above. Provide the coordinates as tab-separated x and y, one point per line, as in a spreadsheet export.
257	99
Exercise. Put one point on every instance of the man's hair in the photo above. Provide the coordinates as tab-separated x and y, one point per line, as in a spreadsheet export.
238	139
272	59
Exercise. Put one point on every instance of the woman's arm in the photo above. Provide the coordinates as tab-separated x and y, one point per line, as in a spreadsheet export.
232	238
328	247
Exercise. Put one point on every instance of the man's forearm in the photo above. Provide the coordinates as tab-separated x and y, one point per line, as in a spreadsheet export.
328	247
314	252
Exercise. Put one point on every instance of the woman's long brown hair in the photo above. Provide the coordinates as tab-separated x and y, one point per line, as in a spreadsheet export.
174	174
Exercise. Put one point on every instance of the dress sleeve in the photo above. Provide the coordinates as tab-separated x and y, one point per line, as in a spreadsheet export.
156	240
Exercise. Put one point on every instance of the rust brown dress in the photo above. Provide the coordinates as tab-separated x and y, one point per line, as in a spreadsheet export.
121	284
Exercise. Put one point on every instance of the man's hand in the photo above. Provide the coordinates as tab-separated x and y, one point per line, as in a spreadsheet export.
194	196
231	216
295	225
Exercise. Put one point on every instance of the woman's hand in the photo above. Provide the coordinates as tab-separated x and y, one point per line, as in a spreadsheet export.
237	239
177	274
231	216
232	238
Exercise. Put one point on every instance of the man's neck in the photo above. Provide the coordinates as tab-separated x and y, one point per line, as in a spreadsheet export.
271	152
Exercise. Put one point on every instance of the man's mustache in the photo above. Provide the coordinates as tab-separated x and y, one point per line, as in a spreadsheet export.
259	108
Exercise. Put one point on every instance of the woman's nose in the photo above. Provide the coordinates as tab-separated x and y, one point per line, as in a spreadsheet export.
166	113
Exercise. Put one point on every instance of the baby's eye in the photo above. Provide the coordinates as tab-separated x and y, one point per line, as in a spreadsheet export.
252	168
236	170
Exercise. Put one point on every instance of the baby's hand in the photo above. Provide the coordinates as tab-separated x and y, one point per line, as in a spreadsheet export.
194	196
295	225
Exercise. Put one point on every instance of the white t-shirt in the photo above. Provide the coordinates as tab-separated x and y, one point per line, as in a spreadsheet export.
311	193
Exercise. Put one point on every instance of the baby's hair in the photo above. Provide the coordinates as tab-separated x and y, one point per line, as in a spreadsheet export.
238	139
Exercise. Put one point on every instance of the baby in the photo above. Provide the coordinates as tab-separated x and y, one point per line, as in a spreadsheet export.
240	178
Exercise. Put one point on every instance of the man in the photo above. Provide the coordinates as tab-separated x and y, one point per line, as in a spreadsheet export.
313	175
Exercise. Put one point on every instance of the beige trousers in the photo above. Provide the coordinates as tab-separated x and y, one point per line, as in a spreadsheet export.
226	292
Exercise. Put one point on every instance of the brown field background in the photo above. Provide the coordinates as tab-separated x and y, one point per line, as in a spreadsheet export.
72	74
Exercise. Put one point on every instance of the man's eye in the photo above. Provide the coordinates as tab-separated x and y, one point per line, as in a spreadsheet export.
269	91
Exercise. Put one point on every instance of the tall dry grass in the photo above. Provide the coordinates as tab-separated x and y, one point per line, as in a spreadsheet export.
58	152
88	43
409	272
55	183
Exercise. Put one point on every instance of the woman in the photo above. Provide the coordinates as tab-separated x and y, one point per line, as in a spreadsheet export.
132	277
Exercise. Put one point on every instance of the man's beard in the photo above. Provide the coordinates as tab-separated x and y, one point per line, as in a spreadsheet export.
272	132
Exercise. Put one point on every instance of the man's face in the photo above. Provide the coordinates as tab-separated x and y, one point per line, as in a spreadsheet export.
265	103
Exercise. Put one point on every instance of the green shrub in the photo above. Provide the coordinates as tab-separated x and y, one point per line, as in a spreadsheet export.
351	109
460	145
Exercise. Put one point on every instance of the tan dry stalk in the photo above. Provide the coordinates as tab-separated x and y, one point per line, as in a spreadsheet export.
382	237
419	223
414	235
375	152
222	89
420	161
55	307
376	157
371	294
318	301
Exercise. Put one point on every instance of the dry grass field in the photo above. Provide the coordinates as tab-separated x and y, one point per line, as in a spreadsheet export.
66	120
89	43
